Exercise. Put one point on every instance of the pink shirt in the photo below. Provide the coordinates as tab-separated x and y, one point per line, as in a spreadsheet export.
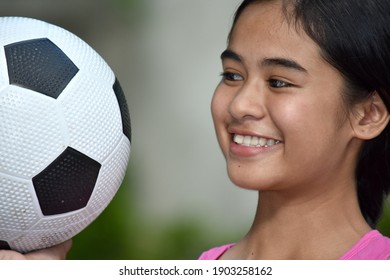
372	246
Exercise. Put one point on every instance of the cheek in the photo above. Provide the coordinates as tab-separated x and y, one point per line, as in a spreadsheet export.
310	116
221	117
310	127
219	106
218	111
289	115
214	106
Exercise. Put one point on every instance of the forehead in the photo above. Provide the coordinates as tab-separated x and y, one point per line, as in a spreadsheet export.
264	29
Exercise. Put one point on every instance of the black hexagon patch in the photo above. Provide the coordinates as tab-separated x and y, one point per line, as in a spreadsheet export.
39	65
4	245
120	96
67	183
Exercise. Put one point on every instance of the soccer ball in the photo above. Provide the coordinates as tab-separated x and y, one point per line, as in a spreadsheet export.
65	134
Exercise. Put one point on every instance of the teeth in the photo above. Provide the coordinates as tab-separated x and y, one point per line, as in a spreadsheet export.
247	140
239	139
262	142
254	141
270	142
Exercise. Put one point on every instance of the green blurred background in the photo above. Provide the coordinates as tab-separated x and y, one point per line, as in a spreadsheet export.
176	200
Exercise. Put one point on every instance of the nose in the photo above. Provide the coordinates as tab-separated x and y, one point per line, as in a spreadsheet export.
248	102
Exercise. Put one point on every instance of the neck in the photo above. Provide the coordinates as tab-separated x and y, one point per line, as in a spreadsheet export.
315	226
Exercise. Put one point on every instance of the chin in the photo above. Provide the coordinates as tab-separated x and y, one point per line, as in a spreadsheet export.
250	183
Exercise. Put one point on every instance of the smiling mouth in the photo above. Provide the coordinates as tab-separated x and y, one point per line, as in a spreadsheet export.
254	141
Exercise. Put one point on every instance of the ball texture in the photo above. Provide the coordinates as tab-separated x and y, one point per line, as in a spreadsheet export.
65	134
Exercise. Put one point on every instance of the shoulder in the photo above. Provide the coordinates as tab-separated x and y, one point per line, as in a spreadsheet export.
372	246
215	253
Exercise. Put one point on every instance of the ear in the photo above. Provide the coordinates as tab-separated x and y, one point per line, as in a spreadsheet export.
370	117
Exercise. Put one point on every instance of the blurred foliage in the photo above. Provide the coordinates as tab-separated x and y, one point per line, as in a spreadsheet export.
384	224
133	10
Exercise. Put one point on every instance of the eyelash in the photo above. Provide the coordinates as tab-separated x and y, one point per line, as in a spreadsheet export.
229	76
274	83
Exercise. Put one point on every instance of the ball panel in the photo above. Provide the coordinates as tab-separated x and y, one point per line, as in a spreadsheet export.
124	109
59	232
4	80
39	65
92	116
82	55
53	223
17	208
23	150
67	183
110	178
15	29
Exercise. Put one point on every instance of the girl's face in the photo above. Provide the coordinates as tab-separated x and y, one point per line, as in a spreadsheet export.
278	112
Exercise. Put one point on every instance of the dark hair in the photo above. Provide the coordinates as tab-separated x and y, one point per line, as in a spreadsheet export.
354	37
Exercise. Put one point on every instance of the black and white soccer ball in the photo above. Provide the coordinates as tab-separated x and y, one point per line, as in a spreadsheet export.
65	134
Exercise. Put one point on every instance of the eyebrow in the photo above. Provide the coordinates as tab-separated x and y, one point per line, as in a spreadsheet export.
275	61
284	62
229	54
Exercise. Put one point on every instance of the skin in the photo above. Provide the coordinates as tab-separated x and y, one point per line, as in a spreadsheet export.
58	252
276	85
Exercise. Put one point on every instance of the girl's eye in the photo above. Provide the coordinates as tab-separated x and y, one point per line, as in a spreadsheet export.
231	76
278	83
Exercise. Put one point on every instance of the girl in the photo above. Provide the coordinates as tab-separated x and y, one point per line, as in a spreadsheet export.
301	116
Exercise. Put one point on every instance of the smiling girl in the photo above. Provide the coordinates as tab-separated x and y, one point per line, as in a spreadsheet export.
301	116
